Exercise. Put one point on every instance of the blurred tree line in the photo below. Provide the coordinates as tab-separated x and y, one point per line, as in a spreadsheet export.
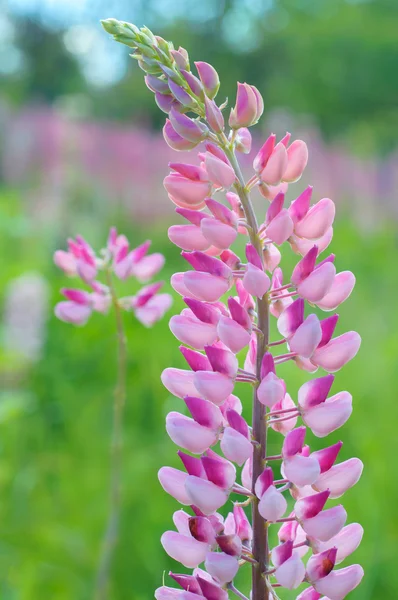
336	61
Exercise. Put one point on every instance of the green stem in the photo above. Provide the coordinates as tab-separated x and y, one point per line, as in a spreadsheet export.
260	582
111	533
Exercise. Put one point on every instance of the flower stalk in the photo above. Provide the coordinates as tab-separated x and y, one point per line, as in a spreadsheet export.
111	533
218	323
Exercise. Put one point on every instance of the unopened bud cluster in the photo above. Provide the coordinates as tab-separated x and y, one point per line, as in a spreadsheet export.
229	300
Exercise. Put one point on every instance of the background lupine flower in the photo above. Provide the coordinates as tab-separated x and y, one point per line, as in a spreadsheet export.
216	331
117	261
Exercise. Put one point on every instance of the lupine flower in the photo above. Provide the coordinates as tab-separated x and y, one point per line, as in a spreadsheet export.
229	302
119	261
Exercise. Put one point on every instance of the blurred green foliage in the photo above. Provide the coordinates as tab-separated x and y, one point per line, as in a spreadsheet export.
332	62
55	427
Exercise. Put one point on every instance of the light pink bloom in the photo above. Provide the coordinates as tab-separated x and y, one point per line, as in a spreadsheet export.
339	583
221	566
188	434
184	549
297	155
346	542
326	524
290	570
299	469
187	186
209	78
341	288
173	482
339	478
248	108
204	494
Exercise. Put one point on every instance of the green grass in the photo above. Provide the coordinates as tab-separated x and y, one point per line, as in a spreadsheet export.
54	444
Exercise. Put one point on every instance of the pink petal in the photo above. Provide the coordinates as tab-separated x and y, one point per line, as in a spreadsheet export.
276	166
318	283
221	566
271	390
341	289
326	524
185	550
205	413
168	593
148	267
217	233
301	470
280	228
173	482
213	386
301	246
307	337
317	221
235	446
220	173
272	505
297	154
339	583
330	415
205	286
255	281
291	573
284	426
193	332
346	541
188	434
72	312
207	496
320	565
232	334
188	237
338	352
315	391
340	477
178	382
310	506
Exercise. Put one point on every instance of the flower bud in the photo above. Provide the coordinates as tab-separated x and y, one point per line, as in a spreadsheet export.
209	78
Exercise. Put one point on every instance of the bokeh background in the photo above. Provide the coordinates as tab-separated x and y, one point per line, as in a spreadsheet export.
81	149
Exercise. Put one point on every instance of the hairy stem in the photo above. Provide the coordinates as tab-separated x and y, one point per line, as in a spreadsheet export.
260	589
111	533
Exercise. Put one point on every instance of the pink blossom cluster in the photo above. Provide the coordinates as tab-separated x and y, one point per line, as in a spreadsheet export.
115	260
229	302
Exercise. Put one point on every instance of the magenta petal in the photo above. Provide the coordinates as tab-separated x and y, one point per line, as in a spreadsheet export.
280	228
173	482
310	506
235	446
320	565
202	530
219	471
315	391
294	441
327	456
309	594
326	524
340	477
204	412
207	496
221	566
184	549
338	352
291	318
339	583
291	573
187	582
230	544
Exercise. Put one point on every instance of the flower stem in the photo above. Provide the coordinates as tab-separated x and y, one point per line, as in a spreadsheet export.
111	533
260	529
